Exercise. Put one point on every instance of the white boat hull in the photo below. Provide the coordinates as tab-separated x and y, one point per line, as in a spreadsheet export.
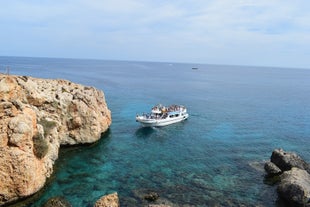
160	122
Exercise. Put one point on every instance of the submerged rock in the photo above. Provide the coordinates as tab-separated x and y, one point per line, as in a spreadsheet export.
151	196
37	116
57	202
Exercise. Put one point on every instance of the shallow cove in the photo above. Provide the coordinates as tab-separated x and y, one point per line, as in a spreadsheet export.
238	115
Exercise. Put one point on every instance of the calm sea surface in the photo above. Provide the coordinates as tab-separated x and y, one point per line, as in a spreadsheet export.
238	116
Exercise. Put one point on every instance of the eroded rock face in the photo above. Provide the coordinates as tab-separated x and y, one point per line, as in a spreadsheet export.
37	116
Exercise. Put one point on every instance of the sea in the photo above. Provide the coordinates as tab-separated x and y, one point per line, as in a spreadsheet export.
237	116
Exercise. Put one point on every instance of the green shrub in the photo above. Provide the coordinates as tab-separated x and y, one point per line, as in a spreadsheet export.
40	146
47	126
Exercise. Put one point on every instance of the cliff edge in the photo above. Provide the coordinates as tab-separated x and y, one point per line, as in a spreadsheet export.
37	116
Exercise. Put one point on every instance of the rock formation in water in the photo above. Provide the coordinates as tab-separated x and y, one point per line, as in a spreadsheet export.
57	202
293	171
110	200
37	116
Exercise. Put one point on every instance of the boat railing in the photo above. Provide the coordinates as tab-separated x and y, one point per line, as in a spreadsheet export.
161	112
153	116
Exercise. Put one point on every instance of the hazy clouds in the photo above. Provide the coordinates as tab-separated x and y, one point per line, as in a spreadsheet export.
265	32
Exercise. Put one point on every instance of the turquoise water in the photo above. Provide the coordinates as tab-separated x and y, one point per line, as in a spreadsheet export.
238	115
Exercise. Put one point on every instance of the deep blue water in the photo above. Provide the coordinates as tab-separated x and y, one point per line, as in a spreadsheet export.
238	116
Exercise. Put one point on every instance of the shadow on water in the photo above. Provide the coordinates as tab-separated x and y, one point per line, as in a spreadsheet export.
67	150
66	154
145	132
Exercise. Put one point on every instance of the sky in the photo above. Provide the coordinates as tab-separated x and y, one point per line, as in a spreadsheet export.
231	32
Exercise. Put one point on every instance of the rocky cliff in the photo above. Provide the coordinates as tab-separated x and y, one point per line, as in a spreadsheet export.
37	116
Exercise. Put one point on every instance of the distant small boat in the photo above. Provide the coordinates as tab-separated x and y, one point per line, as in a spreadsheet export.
163	116
195	68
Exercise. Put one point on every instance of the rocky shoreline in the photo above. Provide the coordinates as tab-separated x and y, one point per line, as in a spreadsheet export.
288	171
37	117
292	175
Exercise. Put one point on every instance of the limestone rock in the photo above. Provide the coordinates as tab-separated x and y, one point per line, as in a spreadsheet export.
110	200
272	169
286	160
295	187
37	116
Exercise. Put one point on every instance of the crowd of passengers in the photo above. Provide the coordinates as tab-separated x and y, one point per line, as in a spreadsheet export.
163	110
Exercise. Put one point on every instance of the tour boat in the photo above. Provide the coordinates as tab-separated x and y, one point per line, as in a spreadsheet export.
163	116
